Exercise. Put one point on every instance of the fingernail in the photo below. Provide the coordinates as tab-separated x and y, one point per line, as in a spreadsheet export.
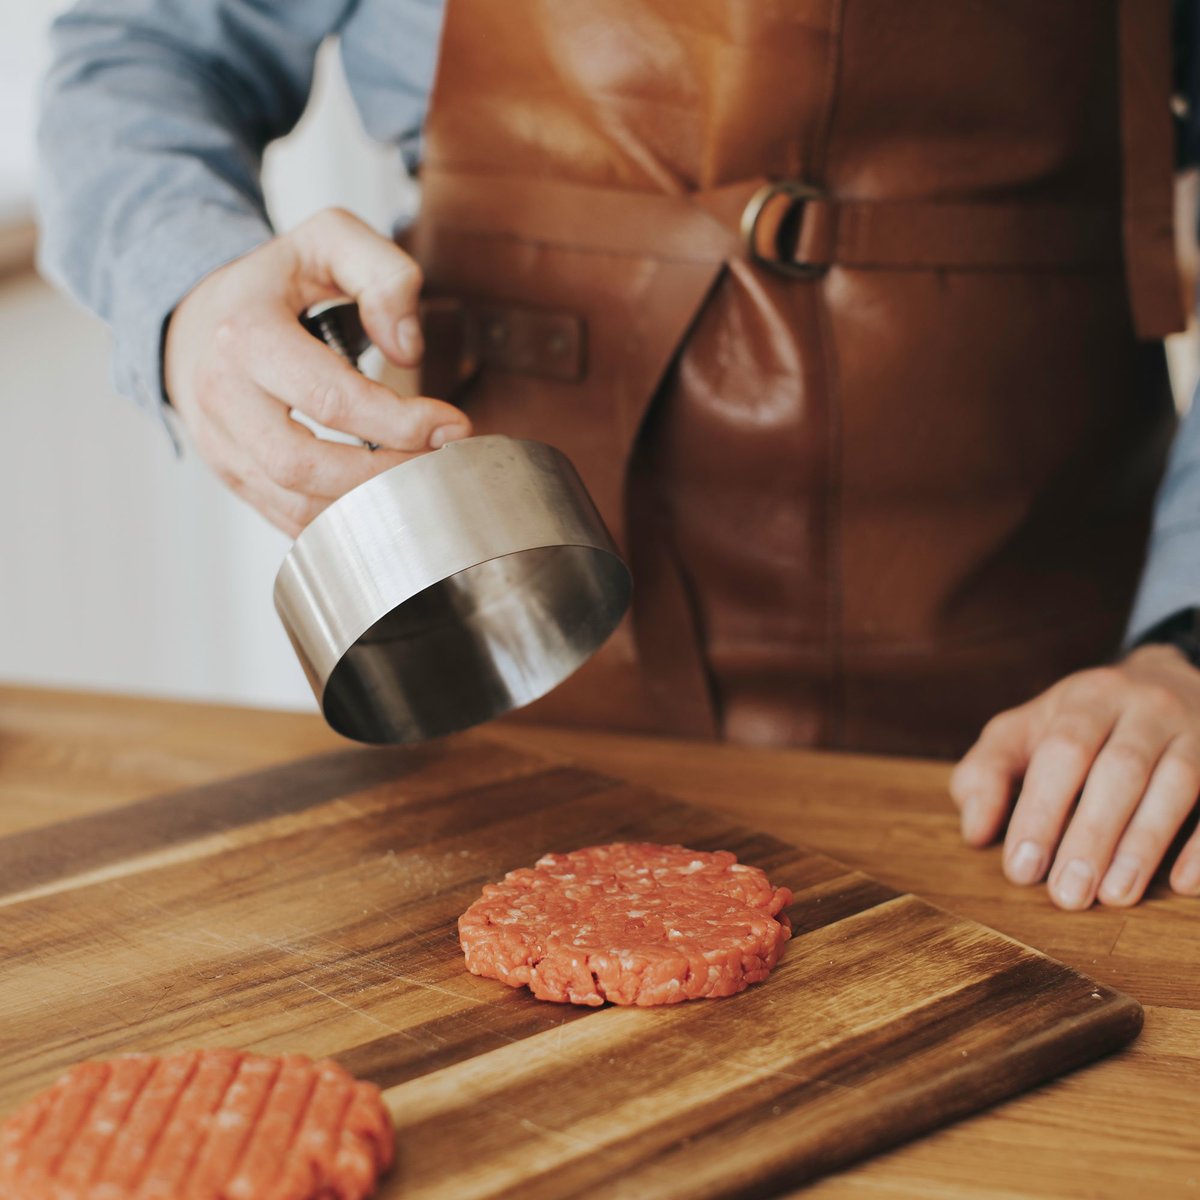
1120	877
445	433
1188	881
408	337
1073	888
1025	865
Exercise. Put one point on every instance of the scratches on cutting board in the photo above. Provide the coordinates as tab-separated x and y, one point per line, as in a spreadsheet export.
1112	949
312	987
335	812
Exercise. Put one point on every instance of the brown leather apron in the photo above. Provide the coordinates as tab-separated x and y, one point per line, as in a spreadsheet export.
881	441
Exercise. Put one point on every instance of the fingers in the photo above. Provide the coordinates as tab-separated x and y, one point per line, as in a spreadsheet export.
305	375
1116	785
1057	769
1123	741
339	255
1165	805
279	466
293	458
287	511
234	379
982	783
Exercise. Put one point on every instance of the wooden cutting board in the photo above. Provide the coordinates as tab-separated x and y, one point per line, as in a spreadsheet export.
312	908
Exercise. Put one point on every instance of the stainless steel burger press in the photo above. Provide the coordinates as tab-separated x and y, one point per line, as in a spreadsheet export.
450	589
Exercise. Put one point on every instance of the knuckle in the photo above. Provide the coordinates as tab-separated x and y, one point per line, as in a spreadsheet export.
312	240
1069	737
333	217
402	279
215	394
205	396
1100	683
328	402
1182	772
965	785
1093	826
1142	846
999	726
1187	747
1087	838
312	509
963	777
227	334
300	509
407	272
229	477
1161	701
1189	854
286	466
1128	760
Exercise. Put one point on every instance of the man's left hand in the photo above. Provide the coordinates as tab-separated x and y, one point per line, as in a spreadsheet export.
1123	741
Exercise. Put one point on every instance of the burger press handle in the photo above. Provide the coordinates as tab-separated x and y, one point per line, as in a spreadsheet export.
450	589
340	327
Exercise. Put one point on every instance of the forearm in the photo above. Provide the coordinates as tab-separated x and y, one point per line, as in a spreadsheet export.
1171	578
154	119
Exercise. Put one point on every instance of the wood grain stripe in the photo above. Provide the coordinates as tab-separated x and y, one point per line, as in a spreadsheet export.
1013	1001
587	1099
424	819
42	854
819	1127
512	1016
71	848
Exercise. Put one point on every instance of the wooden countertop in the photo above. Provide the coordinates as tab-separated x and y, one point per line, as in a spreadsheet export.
1128	1127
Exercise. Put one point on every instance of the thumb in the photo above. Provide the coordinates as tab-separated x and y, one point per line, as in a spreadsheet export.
339	255
983	783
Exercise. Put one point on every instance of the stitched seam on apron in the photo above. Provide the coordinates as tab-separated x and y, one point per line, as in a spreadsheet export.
975	637
1015	267
845	265
575	247
836	707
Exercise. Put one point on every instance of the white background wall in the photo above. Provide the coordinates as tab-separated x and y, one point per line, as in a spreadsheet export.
121	567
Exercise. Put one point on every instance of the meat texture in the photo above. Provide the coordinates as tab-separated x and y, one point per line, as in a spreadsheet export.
201	1125
630	923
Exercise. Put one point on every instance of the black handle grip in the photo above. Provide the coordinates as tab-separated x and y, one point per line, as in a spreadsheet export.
340	327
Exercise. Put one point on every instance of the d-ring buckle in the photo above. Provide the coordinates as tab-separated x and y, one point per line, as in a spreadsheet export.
797	194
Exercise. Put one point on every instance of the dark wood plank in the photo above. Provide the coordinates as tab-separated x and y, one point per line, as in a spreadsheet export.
83	843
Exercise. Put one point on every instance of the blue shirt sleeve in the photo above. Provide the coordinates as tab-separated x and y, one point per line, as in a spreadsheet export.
154	117
1171	579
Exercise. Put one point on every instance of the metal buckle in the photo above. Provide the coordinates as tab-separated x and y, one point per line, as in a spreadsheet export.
797	194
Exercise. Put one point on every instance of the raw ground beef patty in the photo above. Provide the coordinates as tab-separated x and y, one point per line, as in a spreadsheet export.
631	923
205	1125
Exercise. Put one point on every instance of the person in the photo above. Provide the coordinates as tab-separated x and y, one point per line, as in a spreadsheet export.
849	314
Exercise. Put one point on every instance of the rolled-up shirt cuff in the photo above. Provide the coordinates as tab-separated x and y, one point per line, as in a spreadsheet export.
1170	582
156	274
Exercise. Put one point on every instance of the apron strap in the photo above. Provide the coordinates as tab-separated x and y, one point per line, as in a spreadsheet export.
1148	164
665	621
790	224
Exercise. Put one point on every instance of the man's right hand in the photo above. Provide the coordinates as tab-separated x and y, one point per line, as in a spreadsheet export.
237	362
